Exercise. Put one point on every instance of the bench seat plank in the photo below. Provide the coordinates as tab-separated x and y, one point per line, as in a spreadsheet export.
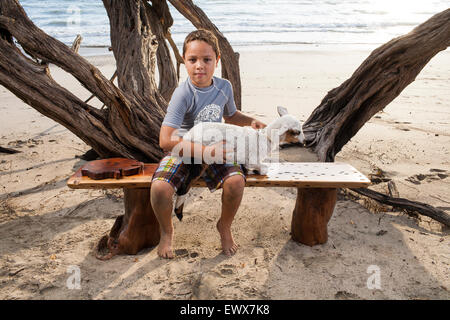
285	174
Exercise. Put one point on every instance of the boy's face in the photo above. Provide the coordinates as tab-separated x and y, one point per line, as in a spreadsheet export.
200	61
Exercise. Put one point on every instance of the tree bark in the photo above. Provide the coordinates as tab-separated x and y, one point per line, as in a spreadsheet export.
129	127
76	43
168	77
378	81
137	40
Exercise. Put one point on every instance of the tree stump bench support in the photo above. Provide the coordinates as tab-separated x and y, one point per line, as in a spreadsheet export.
316	183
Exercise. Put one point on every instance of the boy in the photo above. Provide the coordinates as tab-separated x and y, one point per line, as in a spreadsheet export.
202	97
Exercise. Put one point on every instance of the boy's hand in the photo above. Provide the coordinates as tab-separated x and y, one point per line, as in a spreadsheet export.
216	153
256	124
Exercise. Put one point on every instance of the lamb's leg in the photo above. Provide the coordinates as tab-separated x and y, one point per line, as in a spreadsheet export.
181	195
261	169
264	169
179	204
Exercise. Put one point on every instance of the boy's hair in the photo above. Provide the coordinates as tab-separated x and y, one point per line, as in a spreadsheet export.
203	35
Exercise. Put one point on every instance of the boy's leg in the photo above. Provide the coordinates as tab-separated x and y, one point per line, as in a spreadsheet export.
233	190
161	194
231	178
168	177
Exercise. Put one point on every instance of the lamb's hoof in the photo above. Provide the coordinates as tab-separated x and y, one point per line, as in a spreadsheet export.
179	212
260	172
263	171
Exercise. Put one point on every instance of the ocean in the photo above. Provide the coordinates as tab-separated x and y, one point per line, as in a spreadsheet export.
252	23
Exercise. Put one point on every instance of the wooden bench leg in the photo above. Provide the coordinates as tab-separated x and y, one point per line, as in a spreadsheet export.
313	209
136	230
143	227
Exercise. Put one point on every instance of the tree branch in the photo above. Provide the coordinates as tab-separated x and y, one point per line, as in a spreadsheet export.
128	128
44	47
76	43
8	150
408	205
177	54
31	82
378	81
160	22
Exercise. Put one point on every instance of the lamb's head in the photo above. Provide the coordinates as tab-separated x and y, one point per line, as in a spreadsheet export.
287	128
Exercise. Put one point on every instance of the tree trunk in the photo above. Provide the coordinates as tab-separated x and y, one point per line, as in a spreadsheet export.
129	127
138	43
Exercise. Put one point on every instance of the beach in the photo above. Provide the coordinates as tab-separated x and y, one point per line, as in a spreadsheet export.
48	230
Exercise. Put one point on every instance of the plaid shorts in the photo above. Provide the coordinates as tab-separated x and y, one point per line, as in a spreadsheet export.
175	171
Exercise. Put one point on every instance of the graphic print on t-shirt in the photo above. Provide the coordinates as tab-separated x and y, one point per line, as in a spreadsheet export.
210	113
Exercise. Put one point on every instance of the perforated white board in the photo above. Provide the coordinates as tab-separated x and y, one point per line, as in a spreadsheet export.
313	174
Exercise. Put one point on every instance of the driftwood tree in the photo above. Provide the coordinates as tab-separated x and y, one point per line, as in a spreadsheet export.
129	125
378	81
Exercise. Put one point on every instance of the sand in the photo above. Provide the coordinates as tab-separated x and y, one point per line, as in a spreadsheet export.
48	230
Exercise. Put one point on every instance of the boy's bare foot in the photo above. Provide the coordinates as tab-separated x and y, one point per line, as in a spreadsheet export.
165	246
229	247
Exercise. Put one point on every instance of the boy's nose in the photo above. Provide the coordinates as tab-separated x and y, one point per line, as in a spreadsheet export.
199	65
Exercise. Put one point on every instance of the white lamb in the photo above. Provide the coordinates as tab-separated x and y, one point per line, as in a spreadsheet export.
246	145
250	147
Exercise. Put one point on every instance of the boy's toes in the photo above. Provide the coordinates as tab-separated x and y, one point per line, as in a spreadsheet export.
230	251
165	252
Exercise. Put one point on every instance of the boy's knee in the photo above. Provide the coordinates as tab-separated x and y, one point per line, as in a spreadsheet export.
234	185
161	192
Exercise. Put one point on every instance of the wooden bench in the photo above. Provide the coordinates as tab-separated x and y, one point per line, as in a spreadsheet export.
316	183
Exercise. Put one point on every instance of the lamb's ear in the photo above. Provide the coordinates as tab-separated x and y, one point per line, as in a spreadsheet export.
282	111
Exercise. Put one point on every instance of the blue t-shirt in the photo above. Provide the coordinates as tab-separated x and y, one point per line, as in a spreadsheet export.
190	104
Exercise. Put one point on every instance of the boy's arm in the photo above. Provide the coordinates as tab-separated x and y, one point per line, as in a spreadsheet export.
240	119
168	140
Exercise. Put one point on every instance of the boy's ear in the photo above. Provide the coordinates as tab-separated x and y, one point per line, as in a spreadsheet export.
217	60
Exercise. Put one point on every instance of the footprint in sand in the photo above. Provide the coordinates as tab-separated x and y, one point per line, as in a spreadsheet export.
225	271
181	252
344	295
438	174
228	269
